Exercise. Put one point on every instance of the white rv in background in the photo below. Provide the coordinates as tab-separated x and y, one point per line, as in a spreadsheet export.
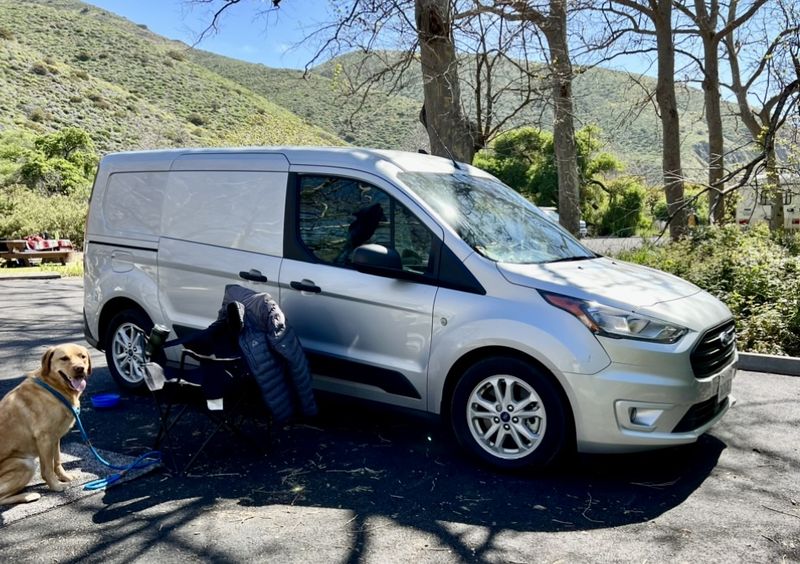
755	203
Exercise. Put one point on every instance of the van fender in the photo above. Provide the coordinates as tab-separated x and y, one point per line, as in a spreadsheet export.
455	348
106	285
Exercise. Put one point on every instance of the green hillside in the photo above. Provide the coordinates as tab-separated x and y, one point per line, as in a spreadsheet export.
378	119
64	63
623	110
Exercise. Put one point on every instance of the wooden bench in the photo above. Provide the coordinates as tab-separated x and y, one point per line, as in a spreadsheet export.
23	257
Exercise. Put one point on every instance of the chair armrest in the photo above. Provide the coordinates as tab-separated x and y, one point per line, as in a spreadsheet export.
201	358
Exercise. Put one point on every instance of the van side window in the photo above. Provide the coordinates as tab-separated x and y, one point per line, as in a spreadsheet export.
339	214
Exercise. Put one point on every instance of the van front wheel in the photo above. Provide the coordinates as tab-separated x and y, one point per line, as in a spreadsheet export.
509	414
125	347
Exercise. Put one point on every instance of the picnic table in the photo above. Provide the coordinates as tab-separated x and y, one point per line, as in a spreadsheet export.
18	252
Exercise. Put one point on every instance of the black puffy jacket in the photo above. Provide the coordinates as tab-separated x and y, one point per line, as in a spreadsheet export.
273	354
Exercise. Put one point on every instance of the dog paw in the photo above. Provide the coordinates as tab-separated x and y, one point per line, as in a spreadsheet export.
64	476
57	486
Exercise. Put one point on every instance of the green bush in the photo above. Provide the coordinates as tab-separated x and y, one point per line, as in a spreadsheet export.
624	215
57	163
24	212
524	159
40	68
753	272
196	119
39	115
177	55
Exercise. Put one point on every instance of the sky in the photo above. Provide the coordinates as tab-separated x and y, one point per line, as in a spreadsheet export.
273	38
252	31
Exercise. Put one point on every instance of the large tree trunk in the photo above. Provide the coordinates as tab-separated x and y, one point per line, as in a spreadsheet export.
670	121
707	24
564	144
448	129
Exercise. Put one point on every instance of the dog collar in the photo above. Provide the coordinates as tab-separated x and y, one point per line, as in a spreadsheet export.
59	396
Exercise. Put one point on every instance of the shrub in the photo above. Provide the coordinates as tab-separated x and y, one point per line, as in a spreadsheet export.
624	215
753	272
177	55
23	212
196	119
38	115
40	68
59	163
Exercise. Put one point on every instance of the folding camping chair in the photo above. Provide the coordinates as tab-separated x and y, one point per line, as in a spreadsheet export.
212	379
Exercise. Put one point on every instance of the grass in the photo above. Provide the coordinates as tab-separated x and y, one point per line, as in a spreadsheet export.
69	270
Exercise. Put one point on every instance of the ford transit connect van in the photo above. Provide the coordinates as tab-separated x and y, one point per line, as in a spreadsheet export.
415	281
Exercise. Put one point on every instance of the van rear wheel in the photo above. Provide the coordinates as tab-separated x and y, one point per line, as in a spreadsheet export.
125	347
509	414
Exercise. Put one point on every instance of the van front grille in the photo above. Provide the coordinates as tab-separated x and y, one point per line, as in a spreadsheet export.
714	350
700	414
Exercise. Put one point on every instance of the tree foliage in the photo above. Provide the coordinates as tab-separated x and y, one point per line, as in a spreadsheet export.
524	159
45	183
58	163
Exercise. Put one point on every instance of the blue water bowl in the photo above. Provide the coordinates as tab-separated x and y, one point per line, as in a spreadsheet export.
105	401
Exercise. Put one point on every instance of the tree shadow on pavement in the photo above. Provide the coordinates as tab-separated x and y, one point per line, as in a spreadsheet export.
376	463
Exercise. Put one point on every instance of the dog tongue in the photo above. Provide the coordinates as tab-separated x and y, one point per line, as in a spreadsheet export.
78	384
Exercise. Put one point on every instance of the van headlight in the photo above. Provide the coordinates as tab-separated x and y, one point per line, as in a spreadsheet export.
614	322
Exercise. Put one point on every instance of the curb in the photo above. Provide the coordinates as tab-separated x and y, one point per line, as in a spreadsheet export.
48	276
754	362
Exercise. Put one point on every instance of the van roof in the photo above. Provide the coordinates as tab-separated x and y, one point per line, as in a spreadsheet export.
235	158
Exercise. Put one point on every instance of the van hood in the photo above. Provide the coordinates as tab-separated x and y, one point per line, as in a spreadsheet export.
627	286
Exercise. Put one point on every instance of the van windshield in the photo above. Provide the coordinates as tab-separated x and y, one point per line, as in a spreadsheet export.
495	220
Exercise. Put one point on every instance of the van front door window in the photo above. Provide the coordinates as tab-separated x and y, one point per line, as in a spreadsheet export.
337	215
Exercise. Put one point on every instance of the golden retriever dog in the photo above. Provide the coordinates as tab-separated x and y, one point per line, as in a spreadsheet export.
33	421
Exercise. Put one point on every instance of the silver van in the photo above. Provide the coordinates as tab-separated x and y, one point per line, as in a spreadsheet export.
415	281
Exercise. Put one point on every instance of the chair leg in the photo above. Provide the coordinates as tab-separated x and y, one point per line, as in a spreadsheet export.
231	419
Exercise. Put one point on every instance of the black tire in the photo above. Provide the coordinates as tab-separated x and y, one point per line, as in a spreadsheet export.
125	347
494	432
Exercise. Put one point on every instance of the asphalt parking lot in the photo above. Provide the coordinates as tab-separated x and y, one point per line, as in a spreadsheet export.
361	484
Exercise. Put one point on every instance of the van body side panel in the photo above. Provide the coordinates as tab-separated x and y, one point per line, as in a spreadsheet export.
122	238
488	322
240	210
218	226
112	270
193	276
366	336
367	320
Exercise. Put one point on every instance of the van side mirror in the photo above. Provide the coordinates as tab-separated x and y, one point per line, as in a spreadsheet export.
377	259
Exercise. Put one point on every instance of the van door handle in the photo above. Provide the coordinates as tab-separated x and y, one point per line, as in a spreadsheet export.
253	275
305	286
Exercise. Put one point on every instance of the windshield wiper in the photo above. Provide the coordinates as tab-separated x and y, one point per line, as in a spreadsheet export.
568	259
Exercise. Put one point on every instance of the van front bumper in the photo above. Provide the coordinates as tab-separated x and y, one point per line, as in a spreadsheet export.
628	408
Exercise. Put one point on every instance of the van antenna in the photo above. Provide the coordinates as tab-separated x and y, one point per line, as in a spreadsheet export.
424	120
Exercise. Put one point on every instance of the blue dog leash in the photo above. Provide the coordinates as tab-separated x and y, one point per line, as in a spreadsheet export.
144	461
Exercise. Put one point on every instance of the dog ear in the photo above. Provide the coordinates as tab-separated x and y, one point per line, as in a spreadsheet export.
47	358
89	366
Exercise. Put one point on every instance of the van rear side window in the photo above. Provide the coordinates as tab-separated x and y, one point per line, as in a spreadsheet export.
132	203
